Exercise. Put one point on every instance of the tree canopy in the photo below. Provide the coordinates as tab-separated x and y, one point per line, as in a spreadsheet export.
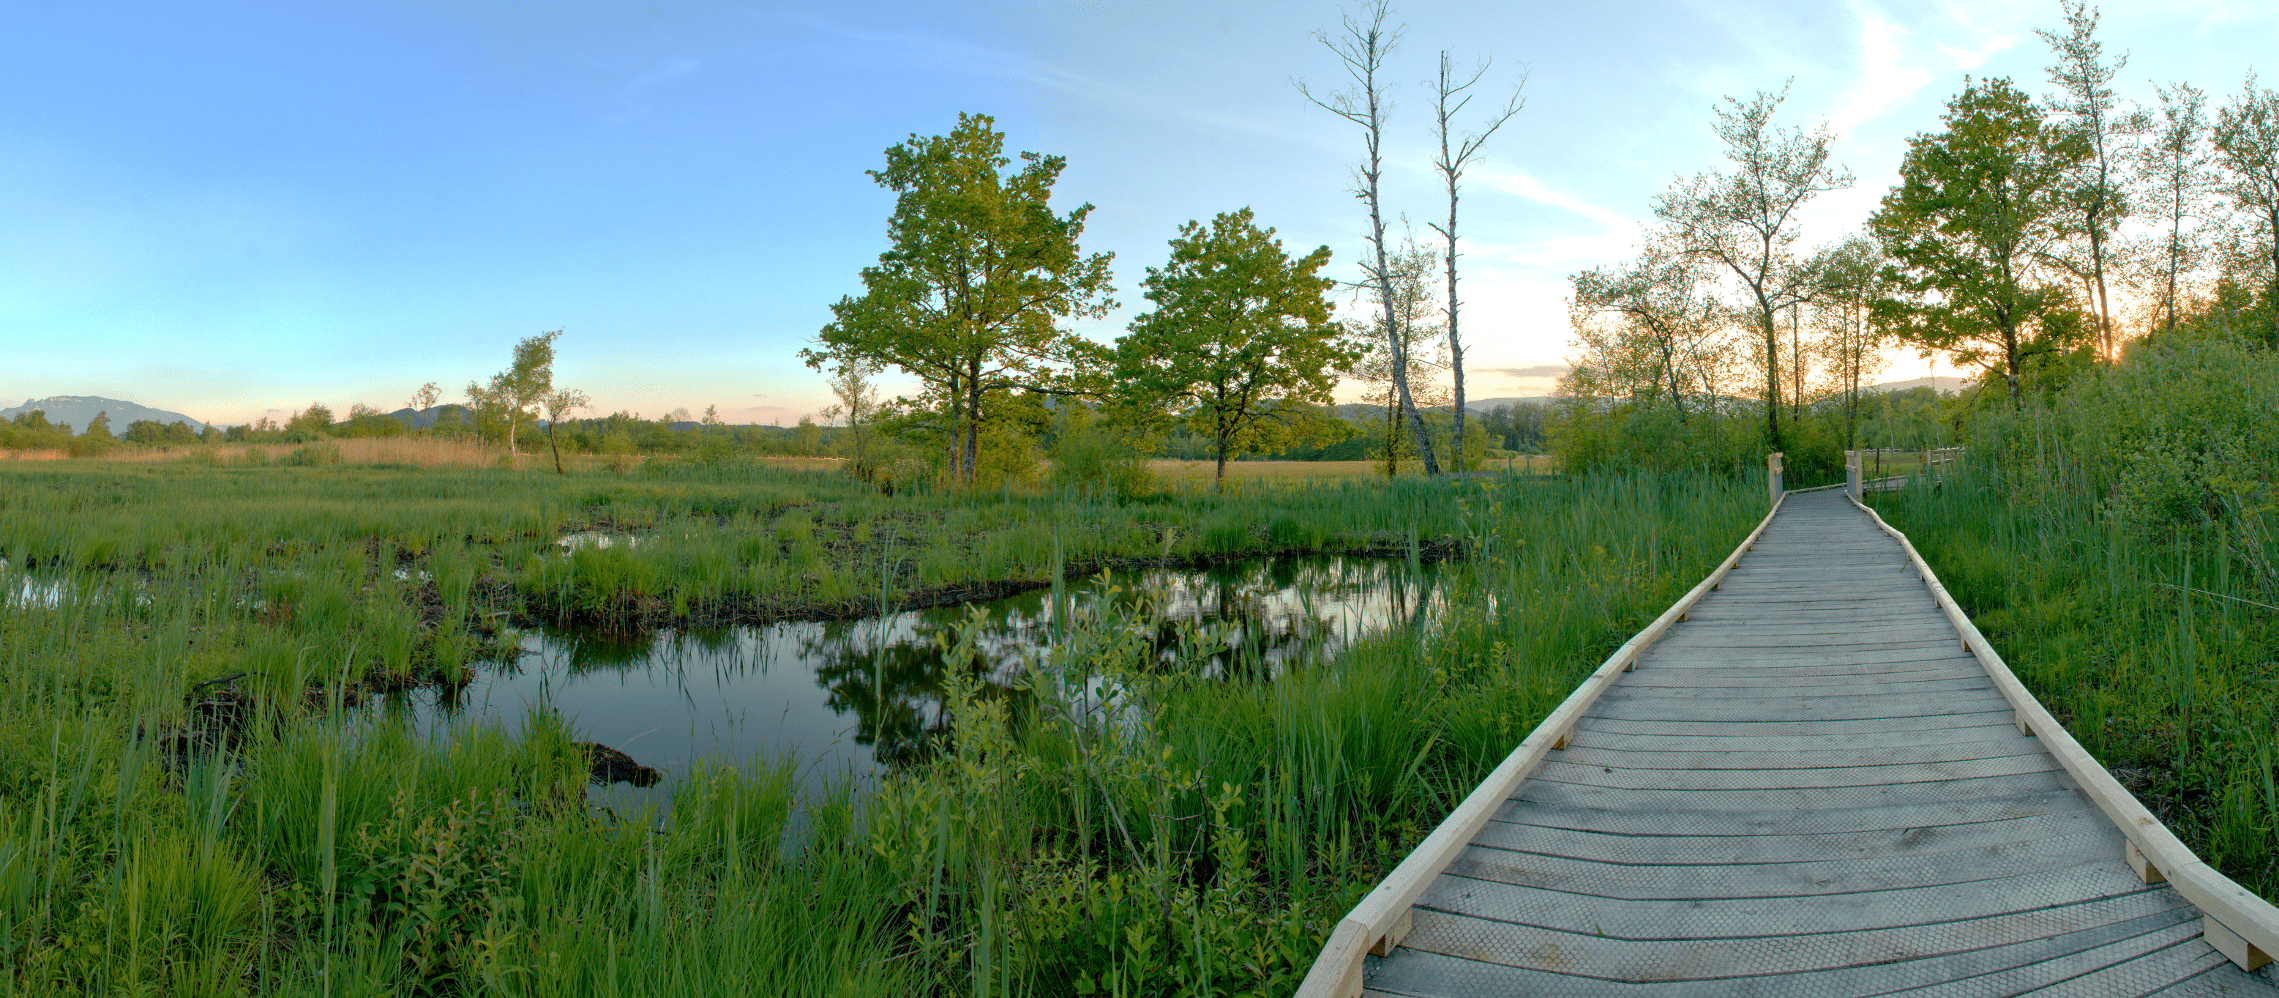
1970	227
977	275
1240	344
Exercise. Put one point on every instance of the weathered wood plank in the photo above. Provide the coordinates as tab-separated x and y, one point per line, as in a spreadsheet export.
1995	730
1589	954
1865	775
1708	850
1812	692
1798	799
1417	973
1588	755
1737	728
1744	880
1520	810
1837	708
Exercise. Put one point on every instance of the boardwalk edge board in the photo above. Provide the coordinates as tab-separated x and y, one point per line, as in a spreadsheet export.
1377	924
2239	924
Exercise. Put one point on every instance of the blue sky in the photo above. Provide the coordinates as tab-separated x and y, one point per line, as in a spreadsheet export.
228	208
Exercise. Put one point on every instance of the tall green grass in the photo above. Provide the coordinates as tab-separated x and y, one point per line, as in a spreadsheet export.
2115	543
1174	830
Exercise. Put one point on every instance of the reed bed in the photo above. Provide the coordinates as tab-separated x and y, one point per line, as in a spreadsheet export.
192	802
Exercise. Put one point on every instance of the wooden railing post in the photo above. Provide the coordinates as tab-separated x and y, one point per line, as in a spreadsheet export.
1772	474
1852	473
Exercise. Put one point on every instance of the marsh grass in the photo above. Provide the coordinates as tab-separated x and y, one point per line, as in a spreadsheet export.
2152	651
190	805
2116	541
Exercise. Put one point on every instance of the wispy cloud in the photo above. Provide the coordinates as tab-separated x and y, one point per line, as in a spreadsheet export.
1885	81
1522	185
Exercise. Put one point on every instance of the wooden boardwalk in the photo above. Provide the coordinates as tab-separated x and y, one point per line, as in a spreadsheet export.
1809	785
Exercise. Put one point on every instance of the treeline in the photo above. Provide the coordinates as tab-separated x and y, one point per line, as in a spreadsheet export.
2030	238
32	431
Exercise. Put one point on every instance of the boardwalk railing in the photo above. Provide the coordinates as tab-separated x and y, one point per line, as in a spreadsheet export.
1381	920
2242	926
1884	469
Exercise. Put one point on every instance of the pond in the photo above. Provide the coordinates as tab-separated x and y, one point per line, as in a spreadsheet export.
853	699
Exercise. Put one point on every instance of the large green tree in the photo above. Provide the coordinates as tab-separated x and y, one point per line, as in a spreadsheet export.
978	274
1240	344
1972	225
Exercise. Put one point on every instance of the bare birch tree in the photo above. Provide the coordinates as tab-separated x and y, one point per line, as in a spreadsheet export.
1454	156
1744	221
1363	47
2087	100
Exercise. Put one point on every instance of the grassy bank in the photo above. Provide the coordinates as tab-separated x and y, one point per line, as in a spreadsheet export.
1198	835
2116	544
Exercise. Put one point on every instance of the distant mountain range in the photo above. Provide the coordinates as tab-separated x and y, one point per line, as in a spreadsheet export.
79	410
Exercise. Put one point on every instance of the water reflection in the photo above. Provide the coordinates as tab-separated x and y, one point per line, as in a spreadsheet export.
863	697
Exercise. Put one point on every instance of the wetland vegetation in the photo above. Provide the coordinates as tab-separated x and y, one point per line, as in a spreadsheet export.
198	795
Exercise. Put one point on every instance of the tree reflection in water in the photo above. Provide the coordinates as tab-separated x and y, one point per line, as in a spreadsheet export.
879	683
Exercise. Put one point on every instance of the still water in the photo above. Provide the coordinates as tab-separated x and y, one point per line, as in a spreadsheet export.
857	698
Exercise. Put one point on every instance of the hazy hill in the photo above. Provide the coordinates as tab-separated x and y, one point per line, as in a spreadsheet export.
79	410
1943	385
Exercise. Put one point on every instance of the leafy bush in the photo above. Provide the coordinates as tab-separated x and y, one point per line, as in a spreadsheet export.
314	455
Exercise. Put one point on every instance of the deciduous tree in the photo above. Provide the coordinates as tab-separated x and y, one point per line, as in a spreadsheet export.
1976	211
2086	100
1240	344
2174	170
1663	316
558	403
1745	221
2247	142
980	271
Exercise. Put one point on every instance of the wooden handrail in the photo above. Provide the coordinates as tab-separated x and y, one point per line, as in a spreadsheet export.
1379	922
2241	925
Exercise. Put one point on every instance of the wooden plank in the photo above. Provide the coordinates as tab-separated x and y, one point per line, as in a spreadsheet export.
1994	731
1773	659
1417	973
1590	954
1664	708
1741	918
1760	880
1843	676
1377	916
1794	822
1699	780
1702	850
1584	755
1615	725
1797	799
1848	686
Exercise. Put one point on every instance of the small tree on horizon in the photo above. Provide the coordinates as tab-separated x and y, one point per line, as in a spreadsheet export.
559	403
